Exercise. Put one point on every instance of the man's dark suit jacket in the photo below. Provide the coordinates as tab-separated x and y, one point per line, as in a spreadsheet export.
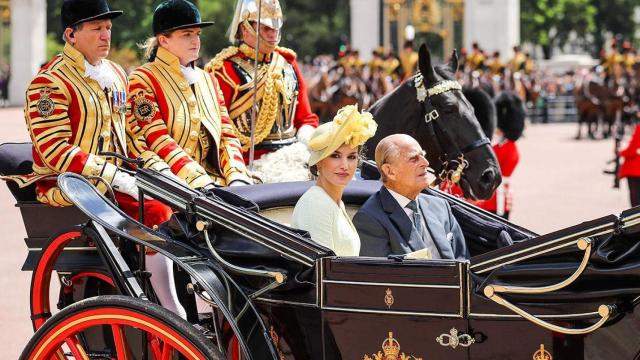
385	228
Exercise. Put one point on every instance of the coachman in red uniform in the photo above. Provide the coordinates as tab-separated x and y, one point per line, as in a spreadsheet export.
284	114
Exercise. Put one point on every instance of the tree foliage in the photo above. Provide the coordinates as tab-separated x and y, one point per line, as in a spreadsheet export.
550	23
614	16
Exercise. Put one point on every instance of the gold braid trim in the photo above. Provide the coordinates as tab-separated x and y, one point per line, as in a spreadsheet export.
268	111
218	60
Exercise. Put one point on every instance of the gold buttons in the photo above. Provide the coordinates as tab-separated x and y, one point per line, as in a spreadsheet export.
195	119
183	86
101	95
188	151
193	135
192	103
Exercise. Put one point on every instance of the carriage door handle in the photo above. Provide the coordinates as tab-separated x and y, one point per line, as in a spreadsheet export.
453	340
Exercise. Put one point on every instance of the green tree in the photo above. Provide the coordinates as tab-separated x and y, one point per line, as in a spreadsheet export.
315	27
549	23
613	16
214	38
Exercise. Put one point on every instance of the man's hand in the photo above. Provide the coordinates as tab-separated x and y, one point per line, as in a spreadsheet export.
125	183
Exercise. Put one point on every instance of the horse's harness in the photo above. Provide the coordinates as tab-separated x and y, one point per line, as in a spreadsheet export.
452	164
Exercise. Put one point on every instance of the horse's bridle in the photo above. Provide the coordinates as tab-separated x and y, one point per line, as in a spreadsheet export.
452	164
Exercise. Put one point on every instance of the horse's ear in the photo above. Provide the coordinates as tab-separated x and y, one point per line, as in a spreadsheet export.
453	62
425	66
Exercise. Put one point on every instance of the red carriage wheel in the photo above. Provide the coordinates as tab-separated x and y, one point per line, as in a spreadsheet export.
41	278
128	320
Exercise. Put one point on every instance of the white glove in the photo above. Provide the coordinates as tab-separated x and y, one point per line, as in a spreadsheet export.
304	133
125	183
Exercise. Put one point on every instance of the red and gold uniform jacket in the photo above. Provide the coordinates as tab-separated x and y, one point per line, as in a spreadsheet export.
71	120
281	94
187	126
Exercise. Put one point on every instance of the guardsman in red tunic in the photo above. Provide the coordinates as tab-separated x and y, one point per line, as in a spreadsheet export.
75	109
284	114
179	109
510	125
630	169
511	116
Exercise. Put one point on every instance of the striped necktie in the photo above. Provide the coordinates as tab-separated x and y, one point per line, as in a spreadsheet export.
416	217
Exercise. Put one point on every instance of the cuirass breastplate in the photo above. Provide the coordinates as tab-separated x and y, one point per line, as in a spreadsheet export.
283	127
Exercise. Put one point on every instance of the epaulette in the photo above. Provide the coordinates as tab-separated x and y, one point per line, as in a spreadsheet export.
287	53
218	60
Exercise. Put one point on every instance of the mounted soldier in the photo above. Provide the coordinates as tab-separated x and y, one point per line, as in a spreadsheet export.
283	116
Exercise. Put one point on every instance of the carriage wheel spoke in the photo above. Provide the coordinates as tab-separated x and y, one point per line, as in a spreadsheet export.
155	347
167	351
120	342
76	348
59	355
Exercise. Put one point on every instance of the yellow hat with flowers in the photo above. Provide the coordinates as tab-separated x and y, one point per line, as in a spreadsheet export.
349	126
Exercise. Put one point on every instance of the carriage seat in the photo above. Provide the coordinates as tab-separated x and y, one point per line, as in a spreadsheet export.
17	159
276	201
268	196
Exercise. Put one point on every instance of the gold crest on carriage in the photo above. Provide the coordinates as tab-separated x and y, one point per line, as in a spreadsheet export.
390	351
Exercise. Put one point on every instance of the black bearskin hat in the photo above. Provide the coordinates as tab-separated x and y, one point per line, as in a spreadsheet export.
511	114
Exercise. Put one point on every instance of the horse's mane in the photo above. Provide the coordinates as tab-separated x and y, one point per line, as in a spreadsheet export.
484	109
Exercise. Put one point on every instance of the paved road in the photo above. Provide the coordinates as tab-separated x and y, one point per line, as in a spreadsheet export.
558	183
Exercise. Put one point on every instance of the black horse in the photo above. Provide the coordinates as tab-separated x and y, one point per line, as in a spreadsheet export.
430	107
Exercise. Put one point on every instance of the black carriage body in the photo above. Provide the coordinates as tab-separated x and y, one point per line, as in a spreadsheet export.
367	304
333	307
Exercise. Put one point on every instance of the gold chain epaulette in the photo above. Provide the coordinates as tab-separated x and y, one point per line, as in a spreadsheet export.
218	60
287	51
268	111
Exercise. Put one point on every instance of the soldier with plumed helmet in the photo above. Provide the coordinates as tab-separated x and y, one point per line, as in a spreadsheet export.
284	115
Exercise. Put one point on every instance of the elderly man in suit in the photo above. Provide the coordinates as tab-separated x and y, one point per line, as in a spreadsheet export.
399	219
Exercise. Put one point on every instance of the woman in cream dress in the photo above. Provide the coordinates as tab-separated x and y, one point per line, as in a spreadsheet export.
334	158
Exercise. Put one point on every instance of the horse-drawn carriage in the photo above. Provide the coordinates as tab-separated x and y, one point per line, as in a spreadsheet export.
272	293
275	294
